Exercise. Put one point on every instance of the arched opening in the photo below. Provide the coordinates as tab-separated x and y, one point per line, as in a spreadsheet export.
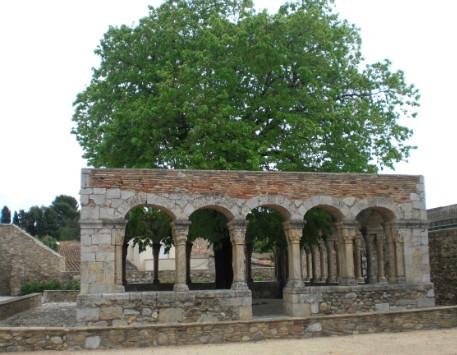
209	233
266	259
320	245
376	245
148	256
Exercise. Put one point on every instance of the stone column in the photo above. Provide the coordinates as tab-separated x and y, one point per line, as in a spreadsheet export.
313	264
338	261
117	236
329	246
397	237
249	248
124	262
155	255
357	260
189	246
308	263
180	229
237	230
294	231
368	238
380	257
346	232
321	249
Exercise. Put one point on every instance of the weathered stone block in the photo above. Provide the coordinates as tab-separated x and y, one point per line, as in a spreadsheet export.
171	315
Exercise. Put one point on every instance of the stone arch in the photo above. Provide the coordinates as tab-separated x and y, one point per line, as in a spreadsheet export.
276	202
142	199
386	207
221	206
333	205
376	242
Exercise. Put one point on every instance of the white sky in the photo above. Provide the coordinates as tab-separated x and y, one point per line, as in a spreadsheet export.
46	56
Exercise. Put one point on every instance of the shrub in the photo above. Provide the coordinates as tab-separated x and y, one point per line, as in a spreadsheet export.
40	286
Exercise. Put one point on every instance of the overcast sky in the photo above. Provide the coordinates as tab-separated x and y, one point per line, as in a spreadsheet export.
46	56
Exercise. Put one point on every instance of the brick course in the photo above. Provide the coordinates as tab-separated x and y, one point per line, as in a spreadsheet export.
248	184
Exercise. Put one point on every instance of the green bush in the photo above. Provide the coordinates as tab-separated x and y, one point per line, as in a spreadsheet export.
40	286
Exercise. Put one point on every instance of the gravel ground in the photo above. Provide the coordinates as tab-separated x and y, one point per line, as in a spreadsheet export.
48	315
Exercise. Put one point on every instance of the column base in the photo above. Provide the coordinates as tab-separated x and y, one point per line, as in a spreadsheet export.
295	284
180	288
348	282
239	286
382	280
330	280
371	280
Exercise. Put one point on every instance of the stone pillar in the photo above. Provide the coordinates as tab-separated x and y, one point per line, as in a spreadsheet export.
398	240
155	255
180	229
321	249
249	248
117	237
237	230
338	261
313	264
124	263
308	263
189	246
380	257
329	246
346	232
294	231
368	238
357	260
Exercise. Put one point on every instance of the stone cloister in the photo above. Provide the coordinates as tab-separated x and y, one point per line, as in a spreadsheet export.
375	258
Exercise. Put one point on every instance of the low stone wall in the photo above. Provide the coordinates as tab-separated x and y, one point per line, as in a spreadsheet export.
60	295
443	261
71	339
266	289
357	299
137	308
145	277
15	305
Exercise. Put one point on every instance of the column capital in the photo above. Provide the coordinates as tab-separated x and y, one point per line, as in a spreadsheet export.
293	230
180	230
347	231
237	229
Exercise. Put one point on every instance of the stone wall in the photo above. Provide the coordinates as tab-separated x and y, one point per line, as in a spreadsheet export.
395	202
443	253
136	308
71	339
249	184
25	259
359	299
15	305
60	295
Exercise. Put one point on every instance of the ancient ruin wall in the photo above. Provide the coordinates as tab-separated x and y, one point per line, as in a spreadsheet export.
24	259
443	253
248	184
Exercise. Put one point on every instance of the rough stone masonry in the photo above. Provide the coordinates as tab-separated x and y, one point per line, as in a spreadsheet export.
381	217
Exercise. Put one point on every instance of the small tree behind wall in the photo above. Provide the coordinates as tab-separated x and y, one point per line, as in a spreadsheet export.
6	215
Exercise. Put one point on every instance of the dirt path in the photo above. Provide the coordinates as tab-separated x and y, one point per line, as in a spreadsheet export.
417	343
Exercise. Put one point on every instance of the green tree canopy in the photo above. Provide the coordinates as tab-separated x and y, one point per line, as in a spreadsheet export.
60	220
212	84
6	215
147	225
